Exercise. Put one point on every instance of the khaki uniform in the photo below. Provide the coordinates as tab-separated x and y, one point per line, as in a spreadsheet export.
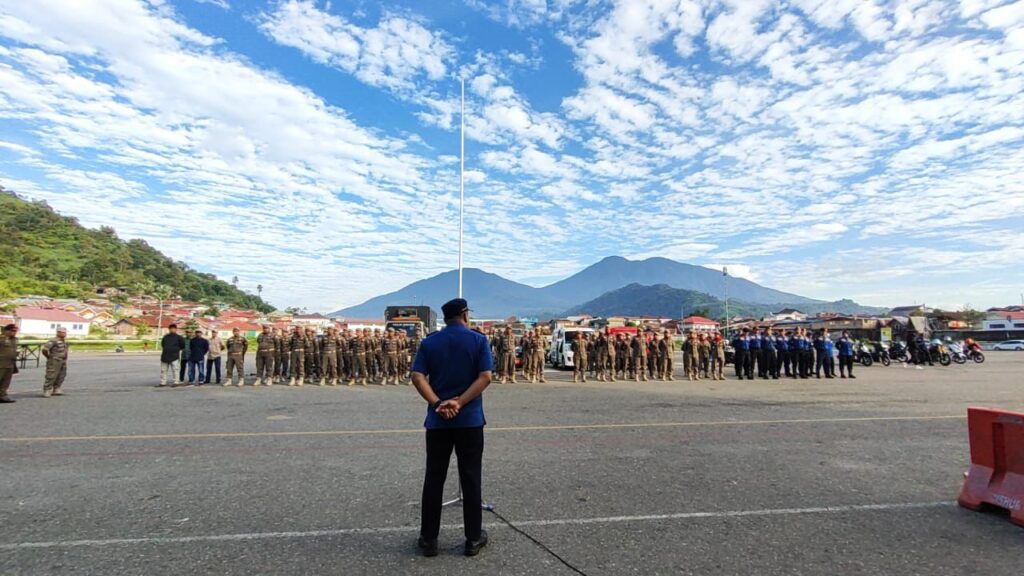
389	350
608	370
281	358
297	343
312	347
538	358
507	358
668	366
717	359
638	349
237	347
691	358
359	369
8	358
56	352
527	346
266	349
342	355
703	351
329	360
579	360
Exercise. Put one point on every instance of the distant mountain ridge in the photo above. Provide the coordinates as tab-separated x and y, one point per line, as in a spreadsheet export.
664	301
492	296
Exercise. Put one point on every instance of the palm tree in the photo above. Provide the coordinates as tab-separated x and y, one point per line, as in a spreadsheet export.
235	281
259	290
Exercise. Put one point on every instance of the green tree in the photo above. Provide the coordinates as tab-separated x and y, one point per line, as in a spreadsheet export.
972	316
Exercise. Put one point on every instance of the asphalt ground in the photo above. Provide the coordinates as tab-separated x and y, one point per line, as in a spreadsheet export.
734	477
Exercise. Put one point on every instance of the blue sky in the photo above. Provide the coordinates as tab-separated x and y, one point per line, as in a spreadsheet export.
866	149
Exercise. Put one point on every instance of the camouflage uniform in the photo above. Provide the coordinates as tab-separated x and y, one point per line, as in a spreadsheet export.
282	356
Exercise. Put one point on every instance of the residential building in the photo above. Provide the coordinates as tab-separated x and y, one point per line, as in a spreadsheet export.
44	322
698	323
1001	320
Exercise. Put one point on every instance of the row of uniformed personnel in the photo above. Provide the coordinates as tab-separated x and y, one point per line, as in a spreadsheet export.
350	356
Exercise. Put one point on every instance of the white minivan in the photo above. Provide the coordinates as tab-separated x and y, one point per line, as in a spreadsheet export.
560	353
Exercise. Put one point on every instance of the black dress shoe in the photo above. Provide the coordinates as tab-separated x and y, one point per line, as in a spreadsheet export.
427	547
6	400
473	547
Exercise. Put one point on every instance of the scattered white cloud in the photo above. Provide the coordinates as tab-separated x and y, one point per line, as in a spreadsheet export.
833	147
393	54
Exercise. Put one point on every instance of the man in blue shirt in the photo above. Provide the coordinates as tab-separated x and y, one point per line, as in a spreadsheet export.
451	370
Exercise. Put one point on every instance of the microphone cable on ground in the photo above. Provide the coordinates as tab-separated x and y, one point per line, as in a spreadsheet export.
540	544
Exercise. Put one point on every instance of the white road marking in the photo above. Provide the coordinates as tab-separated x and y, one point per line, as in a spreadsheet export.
524	524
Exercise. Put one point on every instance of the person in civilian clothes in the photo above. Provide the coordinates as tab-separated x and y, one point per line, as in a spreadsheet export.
451	370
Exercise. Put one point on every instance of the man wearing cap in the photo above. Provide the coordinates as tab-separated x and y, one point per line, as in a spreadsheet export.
266	349
8	361
56	352
236	347
451	370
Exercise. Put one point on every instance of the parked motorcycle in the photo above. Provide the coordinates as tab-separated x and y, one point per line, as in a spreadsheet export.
939	353
898	352
863	354
956	352
880	353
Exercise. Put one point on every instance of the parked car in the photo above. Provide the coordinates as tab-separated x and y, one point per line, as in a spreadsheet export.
1009	345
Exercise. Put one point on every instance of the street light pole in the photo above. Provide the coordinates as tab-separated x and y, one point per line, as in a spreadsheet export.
725	276
462	172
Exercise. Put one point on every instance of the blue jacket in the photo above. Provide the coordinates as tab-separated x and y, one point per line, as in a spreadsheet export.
780	344
755	342
740	343
845	346
198	347
827	347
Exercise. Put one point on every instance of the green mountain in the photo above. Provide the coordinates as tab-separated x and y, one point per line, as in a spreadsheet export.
53	255
663	300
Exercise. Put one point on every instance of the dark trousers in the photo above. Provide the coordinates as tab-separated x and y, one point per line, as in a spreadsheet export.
184	367
211	364
754	361
769	357
742	363
283	364
846	365
469	450
806	358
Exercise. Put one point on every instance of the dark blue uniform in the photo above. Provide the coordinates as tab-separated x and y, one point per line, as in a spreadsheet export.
845	347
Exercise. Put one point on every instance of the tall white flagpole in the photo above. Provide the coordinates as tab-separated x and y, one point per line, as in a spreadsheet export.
462	174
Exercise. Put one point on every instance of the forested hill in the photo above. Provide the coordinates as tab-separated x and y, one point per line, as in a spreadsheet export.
52	255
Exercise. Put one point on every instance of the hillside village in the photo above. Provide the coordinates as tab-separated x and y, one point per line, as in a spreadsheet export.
107	316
